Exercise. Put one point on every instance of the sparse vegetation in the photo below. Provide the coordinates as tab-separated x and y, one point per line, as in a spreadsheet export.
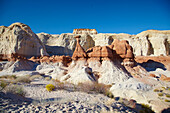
146	109
50	87
3	84
15	89
166	100
35	76
168	95
47	78
163	88
160	94
109	94
23	79
156	90
9	77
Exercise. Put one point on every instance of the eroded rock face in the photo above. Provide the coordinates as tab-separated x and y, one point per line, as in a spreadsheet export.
85	31
65	43
146	43
151	42
19	39
102	39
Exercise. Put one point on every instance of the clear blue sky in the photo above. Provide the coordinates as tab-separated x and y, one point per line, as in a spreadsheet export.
106	16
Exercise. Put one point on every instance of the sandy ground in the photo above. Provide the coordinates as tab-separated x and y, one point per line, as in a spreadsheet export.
39	100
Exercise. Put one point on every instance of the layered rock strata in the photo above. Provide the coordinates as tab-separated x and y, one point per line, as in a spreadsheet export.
85	31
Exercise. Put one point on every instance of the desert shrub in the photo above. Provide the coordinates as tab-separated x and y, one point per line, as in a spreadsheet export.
109	94
156	90
35	76
8	76
146	109
166	100
47	78
168	95
163	88
160	94
94	88
50	87
15	89
23	79
3	84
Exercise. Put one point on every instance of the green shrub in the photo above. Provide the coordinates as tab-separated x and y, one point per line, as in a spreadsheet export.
168	95
160	94
166	100
50	87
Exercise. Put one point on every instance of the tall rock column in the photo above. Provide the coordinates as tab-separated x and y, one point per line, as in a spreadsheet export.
79	52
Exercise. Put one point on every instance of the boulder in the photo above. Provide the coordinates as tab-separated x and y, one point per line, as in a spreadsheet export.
20	65
19	39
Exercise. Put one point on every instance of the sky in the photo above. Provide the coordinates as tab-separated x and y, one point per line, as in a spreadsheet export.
106	16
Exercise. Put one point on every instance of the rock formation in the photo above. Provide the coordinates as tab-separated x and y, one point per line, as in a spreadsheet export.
85	31
79	51
19	39
143	44
65	43
151	42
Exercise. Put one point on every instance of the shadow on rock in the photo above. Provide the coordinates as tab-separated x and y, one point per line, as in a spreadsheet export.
151	65
166	110
58	50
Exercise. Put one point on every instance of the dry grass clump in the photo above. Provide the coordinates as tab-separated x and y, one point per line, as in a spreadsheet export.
3	84
15	89
23	79
12	77
166	100
93	87
50	87
168	95
48	78
35	76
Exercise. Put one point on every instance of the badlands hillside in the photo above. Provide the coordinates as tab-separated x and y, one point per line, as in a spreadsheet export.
130	72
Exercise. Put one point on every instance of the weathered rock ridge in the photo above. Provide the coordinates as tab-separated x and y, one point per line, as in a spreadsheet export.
146	43
19	39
